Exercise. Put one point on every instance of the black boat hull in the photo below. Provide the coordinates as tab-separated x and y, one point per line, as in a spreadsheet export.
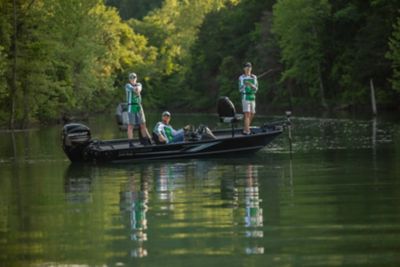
123	151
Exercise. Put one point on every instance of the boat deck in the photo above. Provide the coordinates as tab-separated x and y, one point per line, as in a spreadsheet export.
121	144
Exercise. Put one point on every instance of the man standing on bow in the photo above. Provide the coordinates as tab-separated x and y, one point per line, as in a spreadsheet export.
248	87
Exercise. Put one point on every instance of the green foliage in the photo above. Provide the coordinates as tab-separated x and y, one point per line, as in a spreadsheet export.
173	29
3	82
329	51
359	42
5	41
227	38
394	55
73	56
134	8
301	42
69	54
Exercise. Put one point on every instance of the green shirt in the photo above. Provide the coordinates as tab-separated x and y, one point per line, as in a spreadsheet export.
248	92
165	130
133	97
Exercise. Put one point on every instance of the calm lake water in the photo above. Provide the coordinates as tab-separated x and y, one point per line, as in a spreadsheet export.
334	202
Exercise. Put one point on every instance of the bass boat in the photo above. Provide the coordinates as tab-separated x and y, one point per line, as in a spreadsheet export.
79	146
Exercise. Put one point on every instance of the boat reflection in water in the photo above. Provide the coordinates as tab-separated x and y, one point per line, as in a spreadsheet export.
253	212
176	208
134	198
78	184
242	192
164	177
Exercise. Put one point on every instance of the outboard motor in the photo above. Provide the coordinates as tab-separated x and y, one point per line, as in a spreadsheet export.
75	137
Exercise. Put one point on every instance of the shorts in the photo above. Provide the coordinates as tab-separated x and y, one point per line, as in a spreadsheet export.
249	106
134	118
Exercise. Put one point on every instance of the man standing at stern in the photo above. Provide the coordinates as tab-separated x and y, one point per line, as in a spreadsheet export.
248	87
136	116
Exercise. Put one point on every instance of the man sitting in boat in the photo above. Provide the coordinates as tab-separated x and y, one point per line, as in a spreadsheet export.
163	132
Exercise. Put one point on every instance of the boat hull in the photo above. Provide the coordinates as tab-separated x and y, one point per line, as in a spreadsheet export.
124	150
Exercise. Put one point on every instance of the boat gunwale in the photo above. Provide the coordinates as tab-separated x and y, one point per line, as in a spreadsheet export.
228	131
188	155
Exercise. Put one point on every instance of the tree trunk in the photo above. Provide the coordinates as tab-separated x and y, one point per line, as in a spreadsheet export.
322	88
290	89
321	83
13	85
25	120
373	100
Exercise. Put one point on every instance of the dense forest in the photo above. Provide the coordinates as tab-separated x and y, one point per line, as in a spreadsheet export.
59	58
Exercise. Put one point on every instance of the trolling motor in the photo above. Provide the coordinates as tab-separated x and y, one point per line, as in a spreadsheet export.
75	138
289	126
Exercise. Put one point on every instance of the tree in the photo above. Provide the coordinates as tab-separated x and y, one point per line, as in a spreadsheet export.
227	38
394	55
5	42
356	48
299	25
172	29
70	54
134	8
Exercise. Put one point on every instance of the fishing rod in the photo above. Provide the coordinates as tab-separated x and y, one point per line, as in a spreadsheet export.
267	72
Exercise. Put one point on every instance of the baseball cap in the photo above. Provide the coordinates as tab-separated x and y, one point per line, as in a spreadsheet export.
247	64
166	113
132	76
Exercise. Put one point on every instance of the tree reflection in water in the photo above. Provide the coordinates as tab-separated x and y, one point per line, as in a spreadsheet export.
78	184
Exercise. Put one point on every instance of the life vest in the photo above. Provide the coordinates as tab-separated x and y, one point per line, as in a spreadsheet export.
134	100
165	130
248	92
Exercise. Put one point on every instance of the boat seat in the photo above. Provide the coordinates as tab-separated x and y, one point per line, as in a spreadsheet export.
227	112
236	118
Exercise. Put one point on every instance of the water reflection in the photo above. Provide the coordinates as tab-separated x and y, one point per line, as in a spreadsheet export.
253	216
326	207
78	184
134	198
164	184
338	134
244	196
162	203
253	212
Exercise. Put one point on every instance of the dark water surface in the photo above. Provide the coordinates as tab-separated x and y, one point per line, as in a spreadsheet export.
336	202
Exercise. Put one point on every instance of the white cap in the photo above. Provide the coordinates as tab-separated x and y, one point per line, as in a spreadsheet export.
166	113
132	76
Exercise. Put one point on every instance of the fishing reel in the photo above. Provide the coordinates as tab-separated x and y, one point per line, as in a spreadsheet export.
201	133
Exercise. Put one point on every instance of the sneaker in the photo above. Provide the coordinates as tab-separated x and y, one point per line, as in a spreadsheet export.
145	141
246	133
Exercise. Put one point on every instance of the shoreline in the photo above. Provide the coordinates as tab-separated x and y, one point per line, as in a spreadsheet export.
385	115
